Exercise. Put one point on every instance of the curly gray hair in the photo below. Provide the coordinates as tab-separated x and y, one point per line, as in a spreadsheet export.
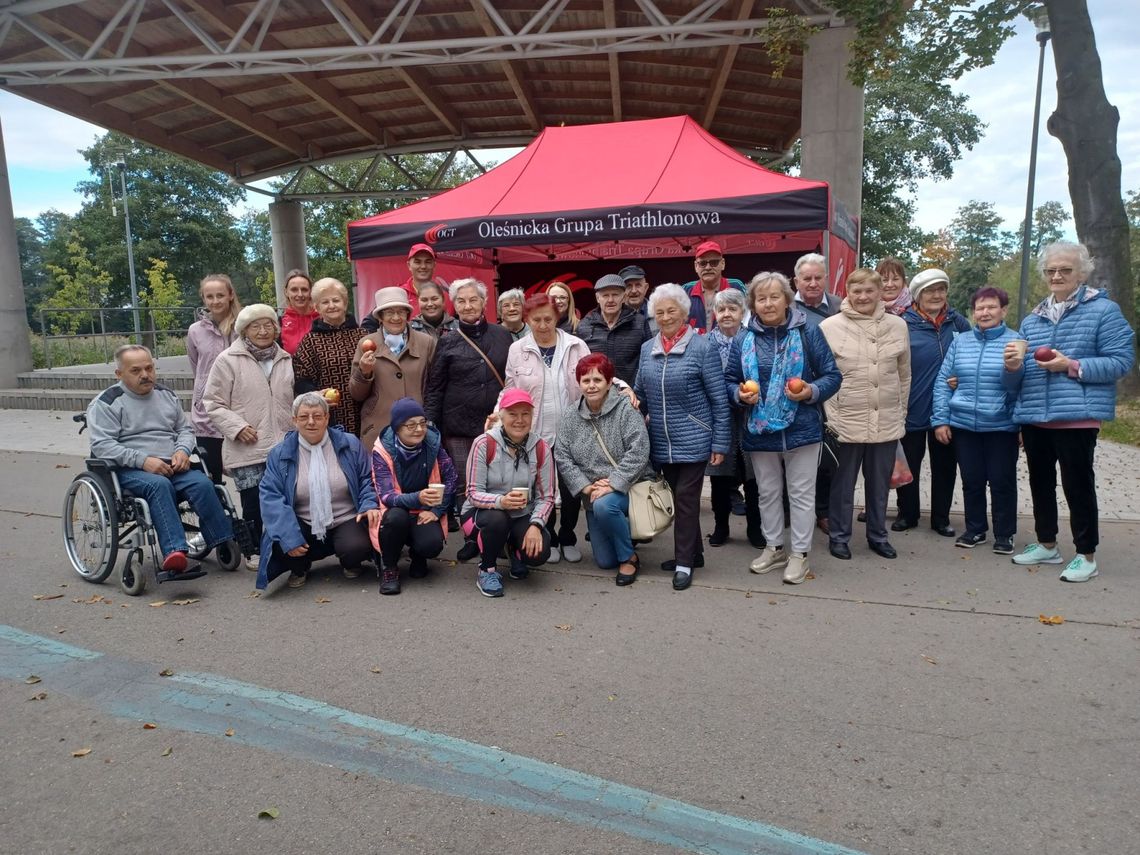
459	284
668	291
1085	263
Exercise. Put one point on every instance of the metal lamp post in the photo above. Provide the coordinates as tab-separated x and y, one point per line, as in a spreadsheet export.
1041	21
121	165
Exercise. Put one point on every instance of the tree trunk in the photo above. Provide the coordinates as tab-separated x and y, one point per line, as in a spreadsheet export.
1086	124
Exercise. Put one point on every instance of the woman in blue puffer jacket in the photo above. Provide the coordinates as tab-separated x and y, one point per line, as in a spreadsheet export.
1062	399
977	415
794	371
680	384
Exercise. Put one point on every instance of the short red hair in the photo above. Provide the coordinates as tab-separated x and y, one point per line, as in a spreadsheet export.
594	362
538	301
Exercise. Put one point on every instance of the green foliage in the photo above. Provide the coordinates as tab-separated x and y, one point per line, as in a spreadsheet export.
1132	209
265	288
979	244
160	292
80	284
786	32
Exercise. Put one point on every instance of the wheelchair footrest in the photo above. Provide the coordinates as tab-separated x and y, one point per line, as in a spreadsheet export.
194	571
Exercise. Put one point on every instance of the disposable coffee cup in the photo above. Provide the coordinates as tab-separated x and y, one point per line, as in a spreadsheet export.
1022	345
440	487
524	490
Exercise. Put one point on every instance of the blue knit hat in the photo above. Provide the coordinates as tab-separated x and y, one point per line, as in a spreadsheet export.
404	409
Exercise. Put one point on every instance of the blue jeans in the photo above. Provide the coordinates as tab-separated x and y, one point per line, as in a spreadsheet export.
608	521
162	495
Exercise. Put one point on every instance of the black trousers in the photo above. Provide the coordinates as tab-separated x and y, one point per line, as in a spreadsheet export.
399	528
211	455
349	541
1073	450
943	474
988	458
493	529
721	489
686	480
571	511
251	510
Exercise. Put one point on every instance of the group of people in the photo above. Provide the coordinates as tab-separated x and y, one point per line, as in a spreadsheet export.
368	440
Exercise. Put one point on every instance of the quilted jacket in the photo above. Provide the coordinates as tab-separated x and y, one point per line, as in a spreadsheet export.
981	402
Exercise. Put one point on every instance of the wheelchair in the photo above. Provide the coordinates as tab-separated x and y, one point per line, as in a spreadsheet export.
100	518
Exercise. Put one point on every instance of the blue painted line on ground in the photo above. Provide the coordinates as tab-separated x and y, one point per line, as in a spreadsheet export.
293	725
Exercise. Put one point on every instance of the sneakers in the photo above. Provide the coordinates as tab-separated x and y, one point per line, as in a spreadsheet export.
772	558
253	563
571	554
1003	545
555	555
174	563
197	543
969	541
1035	553
350	572
490	583
797	568
1080	569
297	580
389	581
519	570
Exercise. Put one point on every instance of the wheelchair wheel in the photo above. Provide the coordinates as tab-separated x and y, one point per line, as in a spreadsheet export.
133	577
228	555
90	528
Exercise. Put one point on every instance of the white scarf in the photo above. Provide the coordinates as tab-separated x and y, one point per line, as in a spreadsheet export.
320	496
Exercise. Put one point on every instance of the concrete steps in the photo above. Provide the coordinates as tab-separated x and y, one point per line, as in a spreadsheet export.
72	388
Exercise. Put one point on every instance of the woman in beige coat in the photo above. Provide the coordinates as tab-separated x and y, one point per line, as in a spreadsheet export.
249	398
872	350
390	364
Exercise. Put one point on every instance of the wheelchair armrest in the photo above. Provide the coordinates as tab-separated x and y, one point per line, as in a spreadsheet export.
102	470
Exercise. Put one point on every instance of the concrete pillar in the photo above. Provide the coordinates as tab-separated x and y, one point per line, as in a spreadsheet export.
290	251
831	129
15	347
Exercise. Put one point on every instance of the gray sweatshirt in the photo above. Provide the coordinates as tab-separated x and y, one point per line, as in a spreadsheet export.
127	428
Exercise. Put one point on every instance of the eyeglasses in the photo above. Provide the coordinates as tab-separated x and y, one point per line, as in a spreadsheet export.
715	262
1065	272
415	424
259	326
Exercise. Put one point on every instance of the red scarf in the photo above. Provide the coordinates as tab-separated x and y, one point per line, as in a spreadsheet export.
667	343
938	321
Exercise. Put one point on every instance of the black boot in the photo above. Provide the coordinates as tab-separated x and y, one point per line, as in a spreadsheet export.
721	488
752	514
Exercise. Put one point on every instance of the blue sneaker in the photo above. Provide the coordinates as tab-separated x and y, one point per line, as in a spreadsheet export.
490	583
1035	553
1080	569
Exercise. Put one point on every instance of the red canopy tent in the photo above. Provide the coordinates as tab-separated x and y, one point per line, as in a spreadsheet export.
593	198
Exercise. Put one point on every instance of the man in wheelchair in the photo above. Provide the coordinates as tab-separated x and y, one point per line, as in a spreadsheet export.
138	427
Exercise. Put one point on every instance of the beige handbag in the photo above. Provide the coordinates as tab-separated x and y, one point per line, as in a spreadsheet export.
650	501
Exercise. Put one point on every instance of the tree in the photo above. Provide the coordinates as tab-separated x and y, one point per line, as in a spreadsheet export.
1048	225
979	244
81	284
161	292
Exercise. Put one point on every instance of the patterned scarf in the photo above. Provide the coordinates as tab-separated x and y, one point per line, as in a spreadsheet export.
519	448
723	345
261	354
396	343
774	411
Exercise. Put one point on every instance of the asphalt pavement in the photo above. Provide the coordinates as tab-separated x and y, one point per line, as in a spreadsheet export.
909	706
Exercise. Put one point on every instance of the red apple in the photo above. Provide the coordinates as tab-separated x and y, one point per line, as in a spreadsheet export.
368	345
1044	354
795	385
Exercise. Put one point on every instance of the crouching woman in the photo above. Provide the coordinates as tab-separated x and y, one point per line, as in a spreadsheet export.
415	483
602	451
317	498
510	494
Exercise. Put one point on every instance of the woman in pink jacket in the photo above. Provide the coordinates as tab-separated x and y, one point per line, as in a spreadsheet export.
207	337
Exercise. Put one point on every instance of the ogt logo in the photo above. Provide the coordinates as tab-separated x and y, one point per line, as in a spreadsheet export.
435	233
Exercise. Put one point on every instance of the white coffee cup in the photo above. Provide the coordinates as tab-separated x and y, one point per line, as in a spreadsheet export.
524	490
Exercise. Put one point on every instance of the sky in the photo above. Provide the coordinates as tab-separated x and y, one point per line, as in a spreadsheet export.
44	164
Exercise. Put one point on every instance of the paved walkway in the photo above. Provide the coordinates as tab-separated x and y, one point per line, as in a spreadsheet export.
1118	466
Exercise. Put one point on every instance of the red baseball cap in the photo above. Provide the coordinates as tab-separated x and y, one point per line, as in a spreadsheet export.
707	247
514	397
421	247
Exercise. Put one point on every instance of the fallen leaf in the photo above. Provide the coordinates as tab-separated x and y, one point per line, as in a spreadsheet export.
973	592
107	617
46	596
185	602
565	627
229	731
268	813
63	584
612	698
928	659
32	679
82	752
322	600
772	603
253	595
810	575
1054	620
375	669
748	595
157	604
167	752
166	672
559	735
558	590
42	696
63	466
150	725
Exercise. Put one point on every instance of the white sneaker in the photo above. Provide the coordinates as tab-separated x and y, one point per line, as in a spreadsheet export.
253	562
571	554
555	556
1035	553
1080	569
797	568
772	558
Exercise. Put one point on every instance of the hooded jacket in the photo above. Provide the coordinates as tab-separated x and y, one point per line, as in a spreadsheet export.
981	402
683	394
1093	332
819	372
279	487
238	394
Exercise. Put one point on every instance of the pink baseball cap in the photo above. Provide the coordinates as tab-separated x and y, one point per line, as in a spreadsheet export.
514	397
707	247
421	247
